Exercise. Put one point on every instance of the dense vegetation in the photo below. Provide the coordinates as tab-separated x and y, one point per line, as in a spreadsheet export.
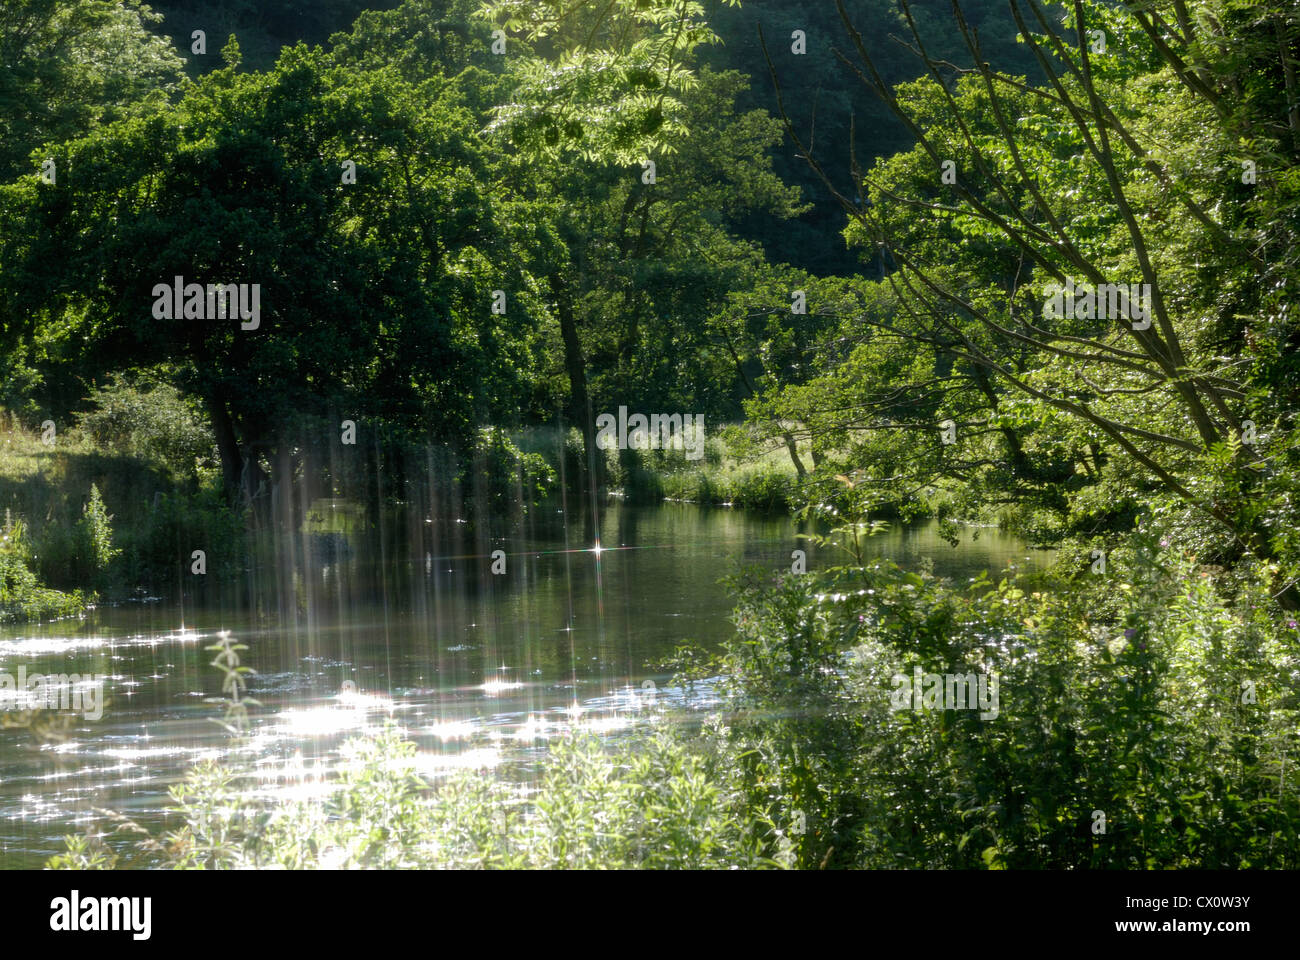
477	227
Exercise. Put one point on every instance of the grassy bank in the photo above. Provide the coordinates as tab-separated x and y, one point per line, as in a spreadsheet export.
736	472
765	482
106	506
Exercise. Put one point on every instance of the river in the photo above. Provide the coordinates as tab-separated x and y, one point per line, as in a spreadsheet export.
479	669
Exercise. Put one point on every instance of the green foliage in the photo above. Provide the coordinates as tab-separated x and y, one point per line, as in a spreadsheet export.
822	98
1147	694
719	477
84	853
153	500
234	682
157	548
353	317
94	542
1123	692
72	64
263	28
22	596
653	805
612	86
510	479
150	419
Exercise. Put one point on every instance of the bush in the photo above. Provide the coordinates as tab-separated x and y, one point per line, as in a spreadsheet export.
651	476
652	805
149	419
505	479
159	545
762	489
22	597
1149	697
81	552
94	543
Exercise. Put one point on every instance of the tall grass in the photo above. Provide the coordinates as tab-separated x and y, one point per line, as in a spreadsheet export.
765	481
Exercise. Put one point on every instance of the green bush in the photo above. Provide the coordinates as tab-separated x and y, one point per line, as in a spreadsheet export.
651	476
96	511
762	489
650	805
506	480
82	552
1150	696
94	543
22	596
158	547
149	419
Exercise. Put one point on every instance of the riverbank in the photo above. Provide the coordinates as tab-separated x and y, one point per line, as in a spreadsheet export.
101	504
735	472
114	504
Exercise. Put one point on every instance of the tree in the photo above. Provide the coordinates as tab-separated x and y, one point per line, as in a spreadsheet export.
375	295
69	65
1082	181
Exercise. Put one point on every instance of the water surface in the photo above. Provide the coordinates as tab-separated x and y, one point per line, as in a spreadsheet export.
478	669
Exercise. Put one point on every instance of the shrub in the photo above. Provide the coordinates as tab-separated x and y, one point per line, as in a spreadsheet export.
653	804
505	479
159	545
651	476
22	597
1150	697
763	489
94	543
149	419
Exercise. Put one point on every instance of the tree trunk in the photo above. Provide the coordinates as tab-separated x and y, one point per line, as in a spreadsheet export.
793	449
232	460
575	364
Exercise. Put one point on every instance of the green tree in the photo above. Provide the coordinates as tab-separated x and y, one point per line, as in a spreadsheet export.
376	295
68	65
1125	168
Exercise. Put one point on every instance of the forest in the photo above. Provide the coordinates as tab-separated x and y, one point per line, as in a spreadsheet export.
688	434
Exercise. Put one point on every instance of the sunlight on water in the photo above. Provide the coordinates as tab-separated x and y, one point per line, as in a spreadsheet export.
321	721
37	645
607	725
449	730
437	764
495	688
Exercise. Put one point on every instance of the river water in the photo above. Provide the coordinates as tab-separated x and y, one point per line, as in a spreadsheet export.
478	669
